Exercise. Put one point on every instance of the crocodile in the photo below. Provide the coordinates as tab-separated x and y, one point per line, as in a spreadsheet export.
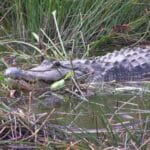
128	64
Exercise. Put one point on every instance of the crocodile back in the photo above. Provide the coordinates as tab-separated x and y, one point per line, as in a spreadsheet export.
125	65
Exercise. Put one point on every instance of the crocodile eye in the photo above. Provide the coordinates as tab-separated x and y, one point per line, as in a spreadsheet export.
56	64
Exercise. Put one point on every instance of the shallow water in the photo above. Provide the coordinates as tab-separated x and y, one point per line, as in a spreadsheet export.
99	108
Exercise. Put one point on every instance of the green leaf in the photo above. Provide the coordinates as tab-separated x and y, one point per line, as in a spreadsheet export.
1	78
58	85
35	36
69	75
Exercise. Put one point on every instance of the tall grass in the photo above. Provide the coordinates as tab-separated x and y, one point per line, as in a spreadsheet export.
84	25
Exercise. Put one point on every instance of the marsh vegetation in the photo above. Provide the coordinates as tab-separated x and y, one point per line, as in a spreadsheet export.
33	30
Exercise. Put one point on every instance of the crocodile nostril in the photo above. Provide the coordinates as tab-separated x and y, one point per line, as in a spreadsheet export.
13	72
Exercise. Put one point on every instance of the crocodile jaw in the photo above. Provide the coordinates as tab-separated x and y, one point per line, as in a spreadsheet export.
48	76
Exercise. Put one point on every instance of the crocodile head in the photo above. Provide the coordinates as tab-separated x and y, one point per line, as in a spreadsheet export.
47	71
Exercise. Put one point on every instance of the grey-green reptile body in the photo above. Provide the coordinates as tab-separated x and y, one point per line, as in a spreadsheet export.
128	64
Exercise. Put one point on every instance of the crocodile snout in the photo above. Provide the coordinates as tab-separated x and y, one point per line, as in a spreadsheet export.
13	72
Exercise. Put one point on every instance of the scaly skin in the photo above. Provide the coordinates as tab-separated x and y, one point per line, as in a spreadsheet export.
128	64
